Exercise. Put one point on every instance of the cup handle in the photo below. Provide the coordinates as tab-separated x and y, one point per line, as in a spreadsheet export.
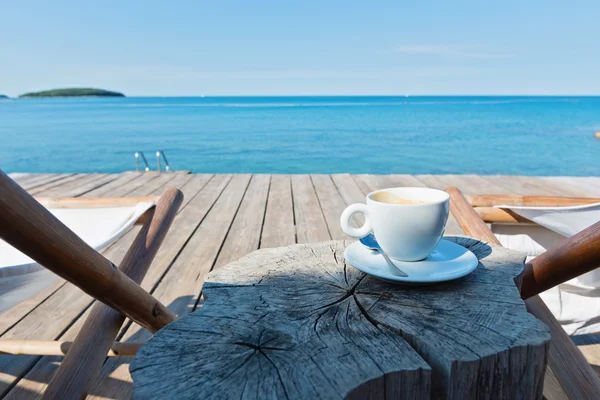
345	221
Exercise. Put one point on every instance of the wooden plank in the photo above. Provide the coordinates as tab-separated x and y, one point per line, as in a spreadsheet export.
589	345
160	182
487	200
94	202
45	188
588	186
498	215
203	191
91	185
71	189
42	180
479	184
310	222
108	190
244	235
397	180
60	347
26	388
279	228
351	193
132	186
552	388
331	202
181	286
27	178
87	186
191	187
64	306
348	188
13	315
362	181
468	184
549	186
530	185
79	186
219	217
28	376
183	226
180	180
370	183
20	176
442	182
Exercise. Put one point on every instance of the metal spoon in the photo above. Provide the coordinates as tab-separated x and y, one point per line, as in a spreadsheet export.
370	242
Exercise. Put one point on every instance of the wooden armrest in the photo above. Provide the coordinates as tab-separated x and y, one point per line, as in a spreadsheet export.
468	219
99	202
93	202
566	260
498	215
490	200
61	347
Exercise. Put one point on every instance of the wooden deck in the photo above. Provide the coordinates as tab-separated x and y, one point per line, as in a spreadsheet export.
223	217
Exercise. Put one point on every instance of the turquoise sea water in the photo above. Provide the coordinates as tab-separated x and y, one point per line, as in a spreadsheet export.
483	135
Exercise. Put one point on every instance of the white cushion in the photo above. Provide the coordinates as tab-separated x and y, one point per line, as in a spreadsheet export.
98	227
576	303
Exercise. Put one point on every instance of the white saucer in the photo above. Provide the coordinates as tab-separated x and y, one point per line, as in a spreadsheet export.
448	261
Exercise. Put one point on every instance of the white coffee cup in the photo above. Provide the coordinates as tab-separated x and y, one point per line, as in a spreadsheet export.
406	232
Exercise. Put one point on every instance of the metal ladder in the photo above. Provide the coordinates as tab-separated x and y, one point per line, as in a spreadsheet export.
159	154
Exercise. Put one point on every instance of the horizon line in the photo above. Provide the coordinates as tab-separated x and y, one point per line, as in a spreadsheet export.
329	95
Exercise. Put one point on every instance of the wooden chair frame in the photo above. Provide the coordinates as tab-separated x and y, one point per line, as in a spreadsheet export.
28	226
484	205
568	259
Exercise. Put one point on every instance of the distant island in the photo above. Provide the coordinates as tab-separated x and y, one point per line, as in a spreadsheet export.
3	96
73	92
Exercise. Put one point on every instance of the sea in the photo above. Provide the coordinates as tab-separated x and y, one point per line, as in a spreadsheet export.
376	135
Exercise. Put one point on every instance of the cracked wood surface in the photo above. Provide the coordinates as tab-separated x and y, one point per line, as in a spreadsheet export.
298	322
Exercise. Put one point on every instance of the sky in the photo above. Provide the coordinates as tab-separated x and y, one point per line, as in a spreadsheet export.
302	47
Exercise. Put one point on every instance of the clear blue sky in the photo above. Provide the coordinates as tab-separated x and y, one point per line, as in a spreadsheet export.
303	47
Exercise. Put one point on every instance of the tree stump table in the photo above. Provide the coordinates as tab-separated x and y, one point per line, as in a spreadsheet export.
299	323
